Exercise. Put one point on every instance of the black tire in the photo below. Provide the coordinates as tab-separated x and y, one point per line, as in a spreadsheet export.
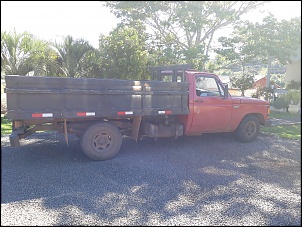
248	129
101	141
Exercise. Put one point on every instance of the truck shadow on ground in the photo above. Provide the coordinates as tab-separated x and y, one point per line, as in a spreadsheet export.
207	180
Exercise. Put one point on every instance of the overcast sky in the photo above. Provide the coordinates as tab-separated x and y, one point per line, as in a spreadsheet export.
51	20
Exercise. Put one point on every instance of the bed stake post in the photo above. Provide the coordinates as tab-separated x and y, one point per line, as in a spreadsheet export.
65	131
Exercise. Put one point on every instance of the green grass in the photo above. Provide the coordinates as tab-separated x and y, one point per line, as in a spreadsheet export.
282	115
6	125
285	131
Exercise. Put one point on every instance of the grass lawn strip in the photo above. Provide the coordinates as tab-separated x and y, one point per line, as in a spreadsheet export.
284	131
6	125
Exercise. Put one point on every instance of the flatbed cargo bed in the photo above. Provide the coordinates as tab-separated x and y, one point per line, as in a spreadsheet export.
59	97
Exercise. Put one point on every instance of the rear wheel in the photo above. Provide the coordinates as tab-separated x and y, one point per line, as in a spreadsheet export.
248	129
101	141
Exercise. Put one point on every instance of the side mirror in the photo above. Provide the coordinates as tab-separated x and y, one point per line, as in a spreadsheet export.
226	91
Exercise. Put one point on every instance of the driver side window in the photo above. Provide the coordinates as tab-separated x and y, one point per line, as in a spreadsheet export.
207	86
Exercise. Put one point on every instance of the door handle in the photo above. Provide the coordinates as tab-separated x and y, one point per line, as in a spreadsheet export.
198	100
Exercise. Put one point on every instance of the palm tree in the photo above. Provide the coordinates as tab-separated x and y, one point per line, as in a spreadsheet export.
91	64
21	54
78	57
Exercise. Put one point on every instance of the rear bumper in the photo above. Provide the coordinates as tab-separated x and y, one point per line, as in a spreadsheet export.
267	123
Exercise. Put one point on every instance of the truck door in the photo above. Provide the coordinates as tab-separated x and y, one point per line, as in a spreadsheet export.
211	111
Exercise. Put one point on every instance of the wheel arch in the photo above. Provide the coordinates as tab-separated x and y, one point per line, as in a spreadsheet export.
248	128
258	115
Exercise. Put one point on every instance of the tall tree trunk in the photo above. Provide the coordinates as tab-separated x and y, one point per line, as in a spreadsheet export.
268	75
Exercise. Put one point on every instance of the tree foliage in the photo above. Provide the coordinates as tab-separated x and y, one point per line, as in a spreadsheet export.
21	53
277	39
188	25
242	81
76	57
262	42
90	65
267	93
124	54
278	79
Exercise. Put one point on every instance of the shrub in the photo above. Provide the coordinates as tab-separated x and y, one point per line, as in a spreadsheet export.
267	93
293	85
280	103
293	96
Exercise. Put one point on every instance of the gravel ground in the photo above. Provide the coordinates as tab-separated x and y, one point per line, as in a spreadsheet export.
207	180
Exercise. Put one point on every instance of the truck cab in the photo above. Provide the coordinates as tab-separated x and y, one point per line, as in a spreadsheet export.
213	109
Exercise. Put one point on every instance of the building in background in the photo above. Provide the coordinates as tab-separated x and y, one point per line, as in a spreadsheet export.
293	69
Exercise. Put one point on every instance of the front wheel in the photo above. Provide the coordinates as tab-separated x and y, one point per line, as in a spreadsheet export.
248	129
101	141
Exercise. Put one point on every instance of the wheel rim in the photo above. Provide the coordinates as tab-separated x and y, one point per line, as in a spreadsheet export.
250	129
102	141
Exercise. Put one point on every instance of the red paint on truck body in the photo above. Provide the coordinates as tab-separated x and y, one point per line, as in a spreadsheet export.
211	114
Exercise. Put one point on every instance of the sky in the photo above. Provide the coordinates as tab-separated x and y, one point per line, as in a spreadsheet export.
53	20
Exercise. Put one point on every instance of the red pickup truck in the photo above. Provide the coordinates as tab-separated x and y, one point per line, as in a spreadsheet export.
177	101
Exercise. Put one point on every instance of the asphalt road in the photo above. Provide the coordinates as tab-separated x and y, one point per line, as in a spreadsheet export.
207	180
